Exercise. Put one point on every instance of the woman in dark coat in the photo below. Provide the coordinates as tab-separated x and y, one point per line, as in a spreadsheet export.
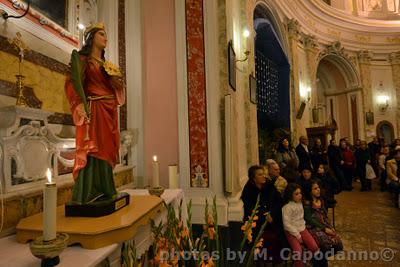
270	203
318	154
363	156
285	154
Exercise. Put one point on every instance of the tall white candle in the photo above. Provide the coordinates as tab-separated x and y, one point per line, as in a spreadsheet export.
173	176
49	209
156	172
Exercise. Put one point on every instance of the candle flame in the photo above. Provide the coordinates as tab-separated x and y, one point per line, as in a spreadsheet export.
154	158
48	174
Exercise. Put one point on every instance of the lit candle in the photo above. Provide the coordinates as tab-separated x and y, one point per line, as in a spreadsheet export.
156	172
172	175
49	209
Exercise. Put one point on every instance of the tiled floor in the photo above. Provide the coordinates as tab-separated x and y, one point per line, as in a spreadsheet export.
369	225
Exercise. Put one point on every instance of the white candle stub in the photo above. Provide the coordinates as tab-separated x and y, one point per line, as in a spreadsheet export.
49	209
173	176
156	172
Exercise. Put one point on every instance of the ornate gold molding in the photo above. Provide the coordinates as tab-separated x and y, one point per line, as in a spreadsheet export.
309	41
393	40
334	33
365	56
394	58
337	49
363	38
293	28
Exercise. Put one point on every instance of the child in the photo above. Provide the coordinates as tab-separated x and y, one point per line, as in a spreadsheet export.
294	224
316	218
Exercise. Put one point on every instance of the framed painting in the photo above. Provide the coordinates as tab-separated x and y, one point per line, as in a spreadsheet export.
57	11
369	117
231	66
253	89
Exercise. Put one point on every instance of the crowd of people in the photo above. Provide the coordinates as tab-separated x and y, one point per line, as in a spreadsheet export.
296	188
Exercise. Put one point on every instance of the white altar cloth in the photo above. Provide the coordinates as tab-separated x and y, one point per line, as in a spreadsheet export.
14	254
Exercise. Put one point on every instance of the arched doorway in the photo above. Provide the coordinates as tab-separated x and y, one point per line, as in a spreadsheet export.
339	95
385	130
272	75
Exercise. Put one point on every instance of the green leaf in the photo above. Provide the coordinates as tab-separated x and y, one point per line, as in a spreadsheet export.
76	79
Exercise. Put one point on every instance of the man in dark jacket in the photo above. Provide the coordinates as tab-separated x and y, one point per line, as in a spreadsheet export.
304	154
336	162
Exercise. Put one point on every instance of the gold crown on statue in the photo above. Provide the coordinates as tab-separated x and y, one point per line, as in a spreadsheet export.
95	26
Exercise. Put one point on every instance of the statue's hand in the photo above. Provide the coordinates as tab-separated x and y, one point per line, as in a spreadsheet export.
80	110
116	82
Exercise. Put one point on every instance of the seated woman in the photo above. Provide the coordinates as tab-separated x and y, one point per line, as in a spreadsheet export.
317	221
393	175
270	201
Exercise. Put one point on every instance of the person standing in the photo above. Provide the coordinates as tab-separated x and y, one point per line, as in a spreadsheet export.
286	154
336	162
363	156
304	154
318	154
374	148
349	162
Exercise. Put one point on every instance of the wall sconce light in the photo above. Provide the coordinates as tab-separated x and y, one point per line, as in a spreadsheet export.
383	102
246	53
305	93
5	15
246	33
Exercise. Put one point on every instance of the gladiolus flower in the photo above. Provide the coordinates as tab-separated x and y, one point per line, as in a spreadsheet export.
185	232
249	235
210	220
244	226
207	263
211	233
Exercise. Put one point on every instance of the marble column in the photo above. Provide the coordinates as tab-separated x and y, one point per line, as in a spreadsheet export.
312	53
293	28
395	62
364	59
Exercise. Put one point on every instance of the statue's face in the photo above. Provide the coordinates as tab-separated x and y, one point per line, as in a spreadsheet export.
100	39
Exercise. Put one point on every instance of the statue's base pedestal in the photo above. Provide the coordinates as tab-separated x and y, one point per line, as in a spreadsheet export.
98	208
96	232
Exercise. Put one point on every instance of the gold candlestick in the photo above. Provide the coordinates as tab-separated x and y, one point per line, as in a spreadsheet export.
21	99
22	47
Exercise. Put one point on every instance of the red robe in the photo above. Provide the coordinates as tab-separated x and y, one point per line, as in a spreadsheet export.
103	131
